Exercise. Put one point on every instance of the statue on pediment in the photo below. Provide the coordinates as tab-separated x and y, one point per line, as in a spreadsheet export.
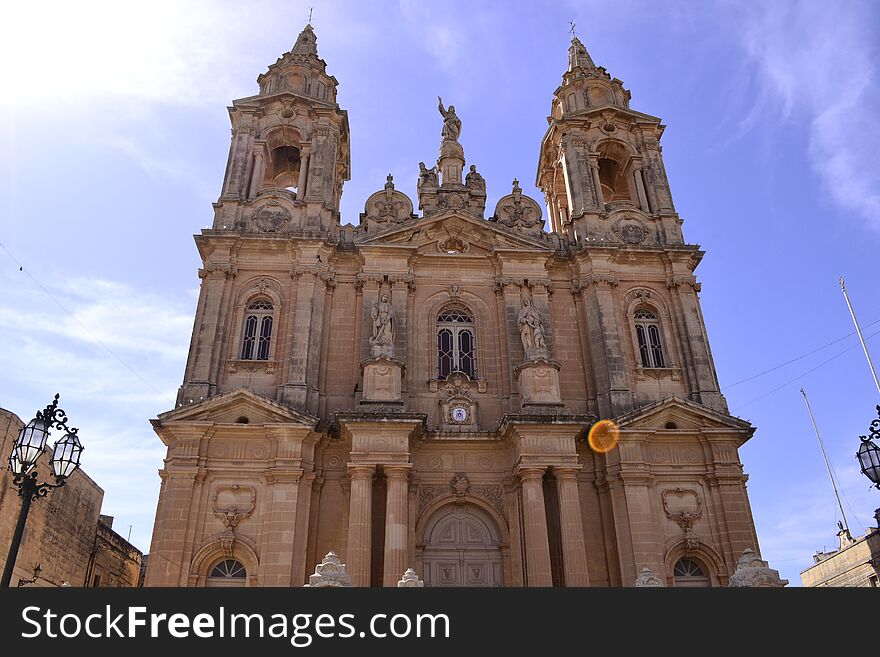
474	181
451	122
427	177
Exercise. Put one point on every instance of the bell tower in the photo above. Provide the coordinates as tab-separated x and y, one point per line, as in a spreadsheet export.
290	152
599	156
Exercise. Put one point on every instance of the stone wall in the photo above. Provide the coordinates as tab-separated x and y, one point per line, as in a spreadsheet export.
855	565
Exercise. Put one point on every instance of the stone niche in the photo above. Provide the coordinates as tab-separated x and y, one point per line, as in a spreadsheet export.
382	380
538	382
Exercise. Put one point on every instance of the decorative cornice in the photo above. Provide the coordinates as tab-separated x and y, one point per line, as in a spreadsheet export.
577	284
362	278
227	269
676	280
408	279
546	283
502	282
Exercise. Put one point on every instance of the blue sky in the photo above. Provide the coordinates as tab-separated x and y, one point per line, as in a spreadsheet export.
114	140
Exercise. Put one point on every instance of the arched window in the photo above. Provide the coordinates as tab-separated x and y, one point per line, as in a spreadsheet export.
257	335
689	572
648	336
456	348
228	572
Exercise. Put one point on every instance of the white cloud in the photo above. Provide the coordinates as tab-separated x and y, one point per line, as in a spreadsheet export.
817	64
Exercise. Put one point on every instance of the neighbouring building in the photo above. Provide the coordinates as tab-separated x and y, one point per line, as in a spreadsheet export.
65	535
415	391
855	562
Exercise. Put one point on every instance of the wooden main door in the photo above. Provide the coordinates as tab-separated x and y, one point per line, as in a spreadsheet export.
462	548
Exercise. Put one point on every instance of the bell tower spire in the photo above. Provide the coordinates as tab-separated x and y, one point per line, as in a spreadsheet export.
290	153
599	156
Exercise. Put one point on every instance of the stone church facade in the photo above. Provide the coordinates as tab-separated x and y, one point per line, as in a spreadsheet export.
416	391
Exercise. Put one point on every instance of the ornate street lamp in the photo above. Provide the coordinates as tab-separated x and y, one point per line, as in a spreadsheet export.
27	449
869	453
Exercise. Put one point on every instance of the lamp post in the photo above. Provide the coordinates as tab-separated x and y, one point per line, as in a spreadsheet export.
28	447
869	453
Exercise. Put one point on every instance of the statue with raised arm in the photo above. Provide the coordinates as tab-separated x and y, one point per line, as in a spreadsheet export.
382	340
451	122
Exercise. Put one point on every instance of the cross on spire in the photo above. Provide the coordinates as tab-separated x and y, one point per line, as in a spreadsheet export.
571	30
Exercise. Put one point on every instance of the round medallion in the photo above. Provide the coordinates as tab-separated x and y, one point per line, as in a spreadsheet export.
459	414
270	218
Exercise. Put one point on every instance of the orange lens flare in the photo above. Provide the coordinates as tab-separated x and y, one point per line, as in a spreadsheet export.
603	436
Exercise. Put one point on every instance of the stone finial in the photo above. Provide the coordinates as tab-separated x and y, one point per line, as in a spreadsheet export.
330	572
647	578
752	571
410	579
578	57
306	42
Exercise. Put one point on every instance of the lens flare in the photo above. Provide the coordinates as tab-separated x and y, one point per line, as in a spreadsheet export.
603	436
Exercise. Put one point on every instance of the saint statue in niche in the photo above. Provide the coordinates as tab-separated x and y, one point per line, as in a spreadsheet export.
451	122
531	329
383	328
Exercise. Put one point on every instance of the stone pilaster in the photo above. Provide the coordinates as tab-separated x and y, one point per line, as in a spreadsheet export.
657	184
702	379
199	377
166	569
606	352
578	181
306	320
535	526
574	554
359	523
396	524
280	532
240	149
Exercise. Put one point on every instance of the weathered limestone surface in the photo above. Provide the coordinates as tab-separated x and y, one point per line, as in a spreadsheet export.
415	391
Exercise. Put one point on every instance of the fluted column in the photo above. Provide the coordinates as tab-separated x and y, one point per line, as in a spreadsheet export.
535	527
396	528
359	517
574	553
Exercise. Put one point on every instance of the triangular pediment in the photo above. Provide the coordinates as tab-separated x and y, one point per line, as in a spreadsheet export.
231	407
680	414
266	99
451	231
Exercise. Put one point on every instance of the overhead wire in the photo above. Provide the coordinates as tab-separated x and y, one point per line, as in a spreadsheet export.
83	326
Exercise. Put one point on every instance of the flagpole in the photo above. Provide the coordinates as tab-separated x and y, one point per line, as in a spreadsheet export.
825	456
859	331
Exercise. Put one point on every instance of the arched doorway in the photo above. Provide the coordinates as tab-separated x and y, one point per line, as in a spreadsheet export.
462	548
